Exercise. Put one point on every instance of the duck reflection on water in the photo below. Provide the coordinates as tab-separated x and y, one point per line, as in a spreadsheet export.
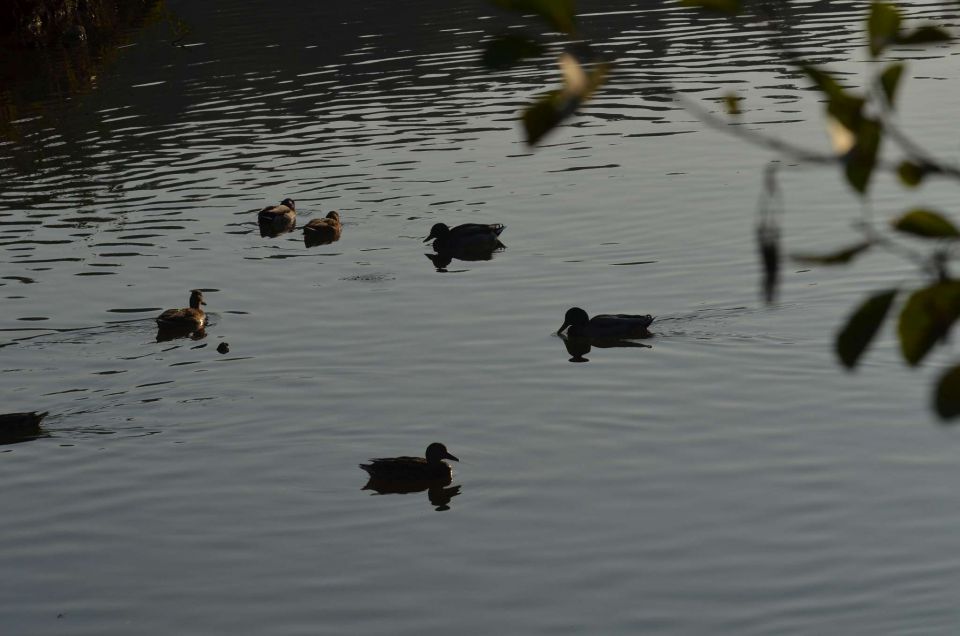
165	334
405	475
579	346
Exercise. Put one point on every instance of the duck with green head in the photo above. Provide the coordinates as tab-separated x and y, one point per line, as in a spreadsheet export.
605	326
429	467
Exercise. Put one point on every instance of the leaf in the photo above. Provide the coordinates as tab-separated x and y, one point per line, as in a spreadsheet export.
841	105
924	35
862	158
883	24
544	115
862	326
911	174
927	224
889	80
559	14
946	400
732	103
840	257
506	50
730	7
552	108
926	318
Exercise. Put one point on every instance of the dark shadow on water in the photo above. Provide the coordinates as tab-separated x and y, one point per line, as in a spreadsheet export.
313	239
172	333
439	491
441	259
578	348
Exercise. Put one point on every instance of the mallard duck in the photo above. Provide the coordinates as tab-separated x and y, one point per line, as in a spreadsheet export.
464	237
430	467
321	231
15	426
191	316
283	214
605	326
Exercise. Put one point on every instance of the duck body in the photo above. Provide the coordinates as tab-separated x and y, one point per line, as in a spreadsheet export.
282	216
188	317
606	326
465	238
17	426
413	469
322	231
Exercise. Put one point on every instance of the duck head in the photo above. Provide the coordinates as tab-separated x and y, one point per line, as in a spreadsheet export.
437	452
575	317
438	231
334	215
196	299
289	203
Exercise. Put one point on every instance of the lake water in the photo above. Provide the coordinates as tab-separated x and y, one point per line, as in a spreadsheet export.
729	479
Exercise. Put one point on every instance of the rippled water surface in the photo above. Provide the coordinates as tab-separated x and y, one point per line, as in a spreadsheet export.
727	479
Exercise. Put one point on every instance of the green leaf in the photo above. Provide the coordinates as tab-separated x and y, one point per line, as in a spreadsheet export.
544	115
506	50
910	173
883	24
729	7
889	80
946	400
844	107
862	326
862	158
926	318
927	224
840	257
553	107
559	14
924	35
732	103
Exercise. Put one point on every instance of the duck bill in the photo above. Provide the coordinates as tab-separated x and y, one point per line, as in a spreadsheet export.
427	240
449	456
562	327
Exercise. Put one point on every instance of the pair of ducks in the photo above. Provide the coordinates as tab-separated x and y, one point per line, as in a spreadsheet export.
276	219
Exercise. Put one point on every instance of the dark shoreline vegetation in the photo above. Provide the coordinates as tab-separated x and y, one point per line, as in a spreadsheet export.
54	48
52	23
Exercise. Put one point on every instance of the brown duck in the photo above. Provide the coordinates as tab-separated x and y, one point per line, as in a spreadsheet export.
429	467
192	316
322	231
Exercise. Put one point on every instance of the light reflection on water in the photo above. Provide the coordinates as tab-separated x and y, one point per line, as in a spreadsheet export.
726	478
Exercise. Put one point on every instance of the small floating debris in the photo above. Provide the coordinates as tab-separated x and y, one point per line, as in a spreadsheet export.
223	347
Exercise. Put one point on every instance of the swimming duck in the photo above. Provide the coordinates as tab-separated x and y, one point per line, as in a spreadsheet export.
191	316
322	231
605	325
430	467
16	426
466	236
282	215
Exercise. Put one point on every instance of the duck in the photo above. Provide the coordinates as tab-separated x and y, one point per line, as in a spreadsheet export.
427	468
321	231
192	316
17	426
465	237
283	215
605	326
